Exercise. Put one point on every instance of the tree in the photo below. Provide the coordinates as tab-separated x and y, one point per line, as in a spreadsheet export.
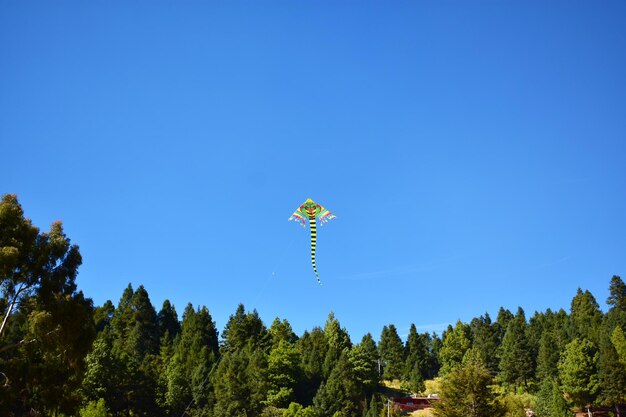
577	372
516	366
455	344
338	340
465	390
363	359
611	375
339	393
617	294
244	328
47	325
585	317
283	373
167	321
391	351
312	347
195	354
485	339
550	401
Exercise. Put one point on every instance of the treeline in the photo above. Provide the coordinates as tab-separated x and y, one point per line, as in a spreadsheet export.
60	356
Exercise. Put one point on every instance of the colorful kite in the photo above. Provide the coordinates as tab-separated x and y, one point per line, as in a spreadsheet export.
310	209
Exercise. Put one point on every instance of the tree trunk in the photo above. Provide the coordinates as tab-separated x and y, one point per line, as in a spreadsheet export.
11	305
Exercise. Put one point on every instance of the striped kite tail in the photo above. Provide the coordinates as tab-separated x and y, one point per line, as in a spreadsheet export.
313	244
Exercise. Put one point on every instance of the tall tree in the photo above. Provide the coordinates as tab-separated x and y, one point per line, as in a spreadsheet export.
391	351
617	294
585	316
283	374
338	339
455	344
363	359
43	343
516	366
485	340
578	372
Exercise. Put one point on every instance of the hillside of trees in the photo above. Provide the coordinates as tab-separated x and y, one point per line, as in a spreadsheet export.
62	356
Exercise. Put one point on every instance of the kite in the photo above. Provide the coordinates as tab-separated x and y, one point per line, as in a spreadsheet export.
310	209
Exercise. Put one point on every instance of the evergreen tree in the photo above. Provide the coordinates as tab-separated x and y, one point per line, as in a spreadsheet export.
391	351
363	359
617	294
465	390
585	317
102	315
550	401
195	354
337	339
312	347
456	343
515	359
340	392
281	330
502	323
611	375
485	340
244	328
578	372
284	374
167	321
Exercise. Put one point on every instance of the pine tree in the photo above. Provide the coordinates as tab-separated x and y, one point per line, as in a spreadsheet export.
485	339
465	390
455	344
585	317
363	359
617	294
337	339
312	347
516	366
284	374
578	372
391	351
611	375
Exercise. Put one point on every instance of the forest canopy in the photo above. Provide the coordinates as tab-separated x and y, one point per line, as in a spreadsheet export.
62	356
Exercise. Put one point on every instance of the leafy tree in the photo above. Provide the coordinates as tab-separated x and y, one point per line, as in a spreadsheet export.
47	325
455	344
102	315
502	322
95	409
391	351
578	372
465	390
515	359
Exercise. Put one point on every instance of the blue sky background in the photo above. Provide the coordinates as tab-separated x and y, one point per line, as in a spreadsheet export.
473	152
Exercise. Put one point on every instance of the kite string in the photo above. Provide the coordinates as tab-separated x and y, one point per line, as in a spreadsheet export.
213	368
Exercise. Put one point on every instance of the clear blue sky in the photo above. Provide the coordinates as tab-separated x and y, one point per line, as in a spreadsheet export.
473	152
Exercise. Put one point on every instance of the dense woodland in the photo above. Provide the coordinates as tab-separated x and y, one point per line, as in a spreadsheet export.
62	356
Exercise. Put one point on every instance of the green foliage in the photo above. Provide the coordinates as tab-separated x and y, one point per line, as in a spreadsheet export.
585	316
363	359
466	391
95	409
297	410
515	357
485	340
550	400
391	351
455	344
577	372
284	373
